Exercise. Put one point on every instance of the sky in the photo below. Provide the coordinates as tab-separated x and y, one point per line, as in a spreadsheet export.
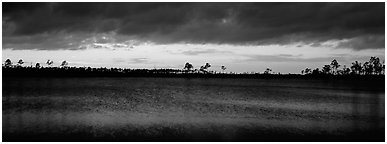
244	37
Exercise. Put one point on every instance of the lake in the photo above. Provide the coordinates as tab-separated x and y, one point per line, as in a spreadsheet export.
192	109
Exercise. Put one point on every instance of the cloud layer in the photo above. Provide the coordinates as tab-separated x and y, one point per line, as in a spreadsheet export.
67	25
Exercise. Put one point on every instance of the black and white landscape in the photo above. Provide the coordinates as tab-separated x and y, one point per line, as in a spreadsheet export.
108	71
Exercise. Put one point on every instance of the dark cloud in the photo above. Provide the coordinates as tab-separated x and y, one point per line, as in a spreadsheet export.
220	23
364	42
41	41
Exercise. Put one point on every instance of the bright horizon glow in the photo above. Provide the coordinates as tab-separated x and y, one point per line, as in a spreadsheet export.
280	58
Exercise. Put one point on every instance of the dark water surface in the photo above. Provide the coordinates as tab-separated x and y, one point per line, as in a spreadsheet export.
195	109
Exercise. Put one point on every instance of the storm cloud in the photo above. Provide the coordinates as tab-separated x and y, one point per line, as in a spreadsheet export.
67	25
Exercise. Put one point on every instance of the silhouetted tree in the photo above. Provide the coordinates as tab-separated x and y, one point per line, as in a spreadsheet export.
205	67
368	68
267	71
346	70
20	62
223	68
356	67
308	71
383	68
49	62
376	65
316	71
339	72
8	63
37	65
188	66
326	69
335	65
64	64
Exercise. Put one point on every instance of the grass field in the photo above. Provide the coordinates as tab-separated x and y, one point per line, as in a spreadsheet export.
195	109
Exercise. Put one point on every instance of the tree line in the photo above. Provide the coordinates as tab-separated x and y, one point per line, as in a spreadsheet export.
372	67
8	64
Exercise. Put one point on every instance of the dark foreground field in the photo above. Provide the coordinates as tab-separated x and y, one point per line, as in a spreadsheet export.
191	109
